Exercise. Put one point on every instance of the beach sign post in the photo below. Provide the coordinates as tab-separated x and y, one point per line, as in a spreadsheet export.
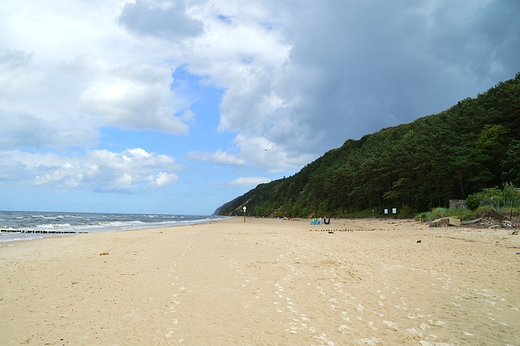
244	214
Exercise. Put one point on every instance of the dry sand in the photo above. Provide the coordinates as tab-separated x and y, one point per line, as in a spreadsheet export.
265	282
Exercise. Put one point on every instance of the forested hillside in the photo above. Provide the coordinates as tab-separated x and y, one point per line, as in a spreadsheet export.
471	146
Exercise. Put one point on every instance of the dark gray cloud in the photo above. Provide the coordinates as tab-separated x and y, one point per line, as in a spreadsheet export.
146	19
370	67
481	41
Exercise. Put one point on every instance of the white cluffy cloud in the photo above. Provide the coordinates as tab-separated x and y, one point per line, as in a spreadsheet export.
131	96
133	170
256	152
249	181
243	182
70	69
218	158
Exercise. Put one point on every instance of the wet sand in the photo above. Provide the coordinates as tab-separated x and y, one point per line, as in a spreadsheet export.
265	282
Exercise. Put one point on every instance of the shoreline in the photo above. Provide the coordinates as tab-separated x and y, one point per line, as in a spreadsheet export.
264	282
36	225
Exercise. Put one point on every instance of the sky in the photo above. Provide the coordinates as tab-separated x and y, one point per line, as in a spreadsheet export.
179	106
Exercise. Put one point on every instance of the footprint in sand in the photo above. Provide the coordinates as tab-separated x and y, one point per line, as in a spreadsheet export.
345	317
371	325
391	325
370	341
344	329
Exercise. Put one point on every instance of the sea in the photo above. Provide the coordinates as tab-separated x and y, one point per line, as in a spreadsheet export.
27	225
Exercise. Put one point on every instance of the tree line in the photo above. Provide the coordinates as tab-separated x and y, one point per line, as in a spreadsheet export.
472	146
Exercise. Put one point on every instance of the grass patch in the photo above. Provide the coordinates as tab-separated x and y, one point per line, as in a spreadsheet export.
466	214
437	213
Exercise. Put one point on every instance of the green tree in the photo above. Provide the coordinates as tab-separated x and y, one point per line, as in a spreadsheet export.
511	164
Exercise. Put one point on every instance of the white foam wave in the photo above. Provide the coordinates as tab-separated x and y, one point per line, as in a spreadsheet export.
53	225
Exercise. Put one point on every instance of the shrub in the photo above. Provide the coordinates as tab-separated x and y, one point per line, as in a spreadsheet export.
438	213
473	202
407	212
492	195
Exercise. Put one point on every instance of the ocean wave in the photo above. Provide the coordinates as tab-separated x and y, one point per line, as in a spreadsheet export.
53	225
18	239
53	217
86	222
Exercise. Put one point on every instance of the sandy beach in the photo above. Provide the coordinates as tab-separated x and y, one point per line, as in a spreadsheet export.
264	282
